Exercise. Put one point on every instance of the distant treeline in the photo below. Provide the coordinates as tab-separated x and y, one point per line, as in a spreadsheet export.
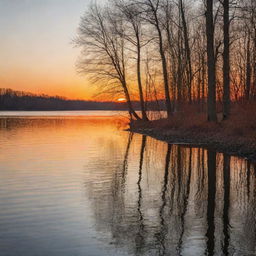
19	100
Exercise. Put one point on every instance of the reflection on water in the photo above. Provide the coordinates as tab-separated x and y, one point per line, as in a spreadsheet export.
67	113
83	186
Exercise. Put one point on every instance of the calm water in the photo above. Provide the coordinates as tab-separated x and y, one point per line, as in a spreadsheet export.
73	185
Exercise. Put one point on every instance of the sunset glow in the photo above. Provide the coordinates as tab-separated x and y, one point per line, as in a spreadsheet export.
127	127
121	100
38	55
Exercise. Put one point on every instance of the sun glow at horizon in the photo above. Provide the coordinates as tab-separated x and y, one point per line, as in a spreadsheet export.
121	100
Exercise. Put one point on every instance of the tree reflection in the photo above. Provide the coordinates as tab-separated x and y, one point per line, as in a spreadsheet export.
211	163
125	162
161	235
226	185
140	235
178	201
186	197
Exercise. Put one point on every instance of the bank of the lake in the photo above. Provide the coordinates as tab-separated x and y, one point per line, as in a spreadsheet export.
216	136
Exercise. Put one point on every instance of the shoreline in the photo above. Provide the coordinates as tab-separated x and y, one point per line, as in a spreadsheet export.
230	145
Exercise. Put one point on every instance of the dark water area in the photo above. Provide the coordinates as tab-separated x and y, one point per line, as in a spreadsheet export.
72	185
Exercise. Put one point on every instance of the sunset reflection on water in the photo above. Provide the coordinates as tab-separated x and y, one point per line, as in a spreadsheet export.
84	186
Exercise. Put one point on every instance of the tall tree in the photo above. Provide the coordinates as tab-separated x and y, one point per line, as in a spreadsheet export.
152	16
211	62
248	67
132	15
187	49
226	60
104	49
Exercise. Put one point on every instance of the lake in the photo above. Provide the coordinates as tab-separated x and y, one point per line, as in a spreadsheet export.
76	183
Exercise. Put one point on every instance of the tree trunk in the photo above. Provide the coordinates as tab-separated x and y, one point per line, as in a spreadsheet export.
187	50
203	82
164	67
142	103
128	100
248	69
179	71
254	63
226	61
211	62
199	87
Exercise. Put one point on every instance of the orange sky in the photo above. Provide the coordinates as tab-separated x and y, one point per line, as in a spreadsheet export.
35	47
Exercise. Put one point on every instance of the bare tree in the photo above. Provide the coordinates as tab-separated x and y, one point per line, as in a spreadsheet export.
226	60
211	62
184	47
132	15
248	67
103	55
187	49
151	9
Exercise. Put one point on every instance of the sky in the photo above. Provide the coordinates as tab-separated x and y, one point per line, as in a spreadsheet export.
36	50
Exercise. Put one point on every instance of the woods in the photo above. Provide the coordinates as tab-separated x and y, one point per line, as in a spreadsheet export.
192	52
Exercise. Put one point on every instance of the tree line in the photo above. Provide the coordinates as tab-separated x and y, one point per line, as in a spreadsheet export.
182	51
19	100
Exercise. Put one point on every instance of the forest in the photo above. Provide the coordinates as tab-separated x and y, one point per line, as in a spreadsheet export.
198	56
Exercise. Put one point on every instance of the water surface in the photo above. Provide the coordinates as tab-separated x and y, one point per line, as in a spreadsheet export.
81	185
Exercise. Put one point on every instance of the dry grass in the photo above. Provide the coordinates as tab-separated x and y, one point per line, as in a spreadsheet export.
242	121
237	133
